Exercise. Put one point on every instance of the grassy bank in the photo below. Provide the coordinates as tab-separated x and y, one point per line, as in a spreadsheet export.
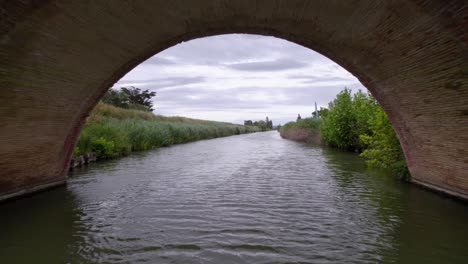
112	132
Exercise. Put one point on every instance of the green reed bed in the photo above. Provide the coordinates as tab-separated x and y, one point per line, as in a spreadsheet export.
112	132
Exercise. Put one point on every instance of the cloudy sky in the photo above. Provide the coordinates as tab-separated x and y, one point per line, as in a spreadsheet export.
238	77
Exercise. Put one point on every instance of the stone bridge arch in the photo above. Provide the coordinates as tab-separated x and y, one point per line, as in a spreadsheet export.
57	58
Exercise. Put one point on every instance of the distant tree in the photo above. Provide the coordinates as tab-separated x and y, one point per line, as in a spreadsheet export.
322	112
116	98
269	123
298	117
138	97
264	125
130	98
261	124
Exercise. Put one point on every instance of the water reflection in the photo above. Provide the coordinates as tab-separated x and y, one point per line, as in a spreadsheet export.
41	228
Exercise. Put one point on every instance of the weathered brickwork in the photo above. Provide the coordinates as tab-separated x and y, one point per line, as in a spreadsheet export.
58	57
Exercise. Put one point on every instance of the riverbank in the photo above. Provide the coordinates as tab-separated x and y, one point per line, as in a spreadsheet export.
112	132
304	130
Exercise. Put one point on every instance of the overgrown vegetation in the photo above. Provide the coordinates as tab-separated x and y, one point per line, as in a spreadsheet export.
348	119
303	130
112	132
306	123
383	149
358	123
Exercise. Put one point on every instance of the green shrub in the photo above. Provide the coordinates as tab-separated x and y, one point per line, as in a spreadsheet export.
103	147
383	148
76	152
347	119
364	107
307	123
337	129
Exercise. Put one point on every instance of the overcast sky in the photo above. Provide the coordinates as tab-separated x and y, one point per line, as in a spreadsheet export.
238	77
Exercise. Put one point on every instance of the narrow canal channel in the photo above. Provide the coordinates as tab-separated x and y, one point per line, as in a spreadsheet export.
252	198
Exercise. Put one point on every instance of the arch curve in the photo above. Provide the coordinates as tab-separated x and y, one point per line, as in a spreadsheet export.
57	59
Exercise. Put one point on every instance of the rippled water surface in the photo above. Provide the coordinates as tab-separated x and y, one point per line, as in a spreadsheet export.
244	199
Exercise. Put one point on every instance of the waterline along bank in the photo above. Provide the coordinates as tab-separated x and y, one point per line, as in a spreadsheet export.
305	130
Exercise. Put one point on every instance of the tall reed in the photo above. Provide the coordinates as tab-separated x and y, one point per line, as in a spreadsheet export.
113	132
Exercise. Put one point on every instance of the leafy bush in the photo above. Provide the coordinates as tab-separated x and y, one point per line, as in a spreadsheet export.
338	128
103	147
383	147
76	152
364	107
348	119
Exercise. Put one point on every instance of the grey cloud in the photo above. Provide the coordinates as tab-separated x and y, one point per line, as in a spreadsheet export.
160	61
208	99
218	100
234	47
163	82
195	100
274	65
190	94
326	79
323	78
300	76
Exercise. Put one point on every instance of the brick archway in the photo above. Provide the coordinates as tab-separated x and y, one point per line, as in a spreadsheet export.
58	57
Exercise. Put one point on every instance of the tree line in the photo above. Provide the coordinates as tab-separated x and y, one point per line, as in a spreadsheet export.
264	125
130	98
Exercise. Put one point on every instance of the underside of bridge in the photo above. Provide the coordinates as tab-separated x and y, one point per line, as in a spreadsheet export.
57	58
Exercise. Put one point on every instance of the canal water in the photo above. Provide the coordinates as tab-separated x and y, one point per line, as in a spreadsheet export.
252	198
